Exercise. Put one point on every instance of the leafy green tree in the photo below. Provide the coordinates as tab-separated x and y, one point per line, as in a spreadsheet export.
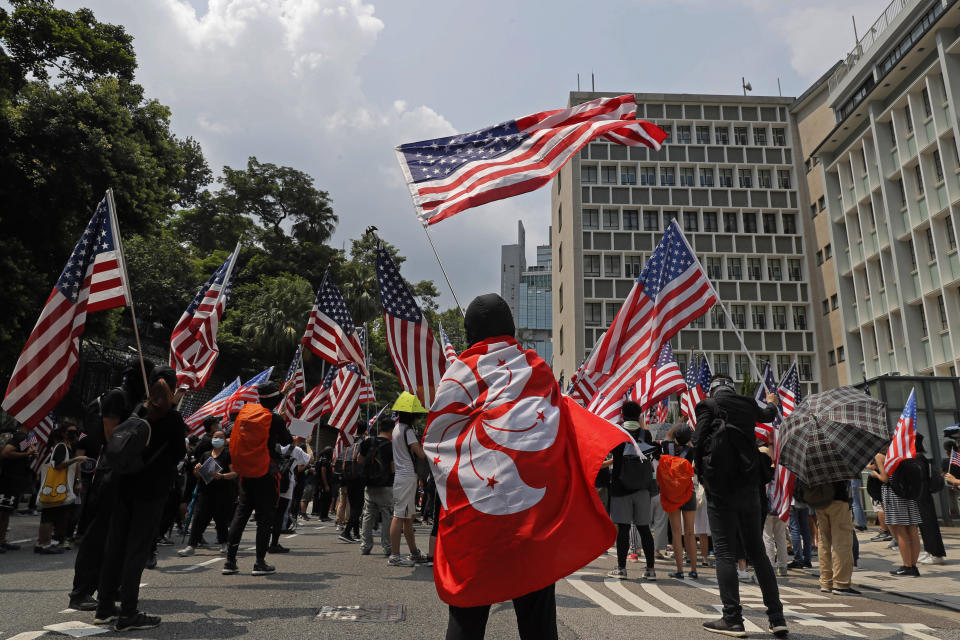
272	315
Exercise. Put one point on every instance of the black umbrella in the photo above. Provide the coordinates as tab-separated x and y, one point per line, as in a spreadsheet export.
831	436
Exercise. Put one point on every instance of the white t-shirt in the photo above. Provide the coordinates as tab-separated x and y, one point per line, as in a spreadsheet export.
300	457
403	435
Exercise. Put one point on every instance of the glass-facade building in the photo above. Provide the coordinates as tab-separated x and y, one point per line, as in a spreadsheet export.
528	292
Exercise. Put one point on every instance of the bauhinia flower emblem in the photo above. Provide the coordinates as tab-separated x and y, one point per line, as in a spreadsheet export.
481	426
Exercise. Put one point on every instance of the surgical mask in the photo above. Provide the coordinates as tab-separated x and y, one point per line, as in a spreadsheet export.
217	442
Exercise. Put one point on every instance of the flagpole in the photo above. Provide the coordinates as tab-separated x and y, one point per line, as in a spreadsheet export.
122	262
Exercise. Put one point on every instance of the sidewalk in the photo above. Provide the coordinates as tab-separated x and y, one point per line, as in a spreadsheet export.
937	585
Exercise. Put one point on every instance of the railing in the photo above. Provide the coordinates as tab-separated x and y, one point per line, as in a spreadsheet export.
867	41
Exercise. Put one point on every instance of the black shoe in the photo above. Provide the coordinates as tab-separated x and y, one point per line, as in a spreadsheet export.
277	548
138	620
261	568
48	550
164	542
152	563
723	627
846	592
83	603
779	628
105	617
905	571
861	529
6	546
346	537
807	564
793	564
229	567
914	571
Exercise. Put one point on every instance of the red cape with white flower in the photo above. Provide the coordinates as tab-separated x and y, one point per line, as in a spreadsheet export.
515	463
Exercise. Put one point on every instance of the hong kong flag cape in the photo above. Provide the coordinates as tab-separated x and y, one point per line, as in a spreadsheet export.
514	462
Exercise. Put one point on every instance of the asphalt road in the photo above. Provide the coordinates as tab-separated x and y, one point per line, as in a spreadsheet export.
196	601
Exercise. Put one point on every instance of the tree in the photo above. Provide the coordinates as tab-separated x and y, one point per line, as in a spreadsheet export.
272	315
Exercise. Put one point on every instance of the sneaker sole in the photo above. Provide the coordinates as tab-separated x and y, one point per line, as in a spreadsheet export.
732	634
262	573
229	572
105	621
136	627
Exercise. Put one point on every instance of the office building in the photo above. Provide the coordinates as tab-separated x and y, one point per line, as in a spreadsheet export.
528	292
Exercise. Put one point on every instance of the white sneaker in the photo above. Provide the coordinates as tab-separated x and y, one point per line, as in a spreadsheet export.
398	560
923	558
186	551
929	559
744	576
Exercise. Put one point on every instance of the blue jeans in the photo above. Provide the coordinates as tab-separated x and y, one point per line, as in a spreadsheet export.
800	533
859	517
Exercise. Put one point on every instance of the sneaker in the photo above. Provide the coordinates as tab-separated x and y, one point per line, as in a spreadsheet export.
419	558
861	528
277	548
105	617
923	556
633	557
807	564
66	545
397	560
138	620
261	568
693	575
779	628
881	536
650	575
164	542
7	546
893	545
931	560
744	575
364	552
905	571
794	564
846	592
83	603
914	571
152	562
826	590
48	550
723	627
346	537
427	560
230	567
223	549
618	573
187	551
677	574
782	572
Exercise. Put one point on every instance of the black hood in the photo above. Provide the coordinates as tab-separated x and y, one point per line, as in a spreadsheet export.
487	316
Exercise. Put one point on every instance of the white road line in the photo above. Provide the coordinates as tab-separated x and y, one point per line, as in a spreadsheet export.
846	629
253	548
292	535
143	584
830	605
909	628
611	607
323	526
856	614
28	635
21	541
211	561
670	601
645	608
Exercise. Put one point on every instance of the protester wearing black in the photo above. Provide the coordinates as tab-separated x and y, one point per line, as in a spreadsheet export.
934	551
261	494
216	499
15	480
137	508
735	508
354	480
323	491
376	455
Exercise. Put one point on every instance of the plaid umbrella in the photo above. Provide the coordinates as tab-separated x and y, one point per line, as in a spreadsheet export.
831	436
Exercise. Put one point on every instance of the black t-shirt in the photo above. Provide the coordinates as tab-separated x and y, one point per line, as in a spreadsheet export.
224	461
384	452
114	404
165	450
16	471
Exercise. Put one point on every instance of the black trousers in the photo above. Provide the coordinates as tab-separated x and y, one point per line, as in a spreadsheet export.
355	498
213	505
930	527
277	528
730	515
93	529
536	618
133	530
260	495
322	500
623	544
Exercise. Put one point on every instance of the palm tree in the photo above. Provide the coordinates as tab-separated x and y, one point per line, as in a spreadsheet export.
275	318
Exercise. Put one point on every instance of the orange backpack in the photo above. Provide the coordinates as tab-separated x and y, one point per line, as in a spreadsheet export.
675	479
249	455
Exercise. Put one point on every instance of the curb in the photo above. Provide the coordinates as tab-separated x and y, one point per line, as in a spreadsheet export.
916	598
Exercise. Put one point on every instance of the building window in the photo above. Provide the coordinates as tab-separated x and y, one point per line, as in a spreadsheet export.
799	318
714	269
826	307
725	177
951	238
648	176
703	135
608	174
706	177
790	223
560	295
813	211
937	165
718	320
913	255
783	364
779	139
903	193
559	215
611	266
591	265
841	357
834	302
770	223
729	222
722	364
741	365
591	314
651	221
722	134
760	137
794	271
749	222
560	257
919	175
611	219
831	358
774	271
683	134
908	118
631	220
923	321
804	368
686	177
745	178
740	135
666	176
591	219
927	108
588	174
739	316
819	258
827	252
942	308
759	316
690	221
710	221
734	269
931	252
667	217
613	308
753	269
783	178
699	323
561	340
871	218
763	178
628	175
821	203
779	314
668	128
632	266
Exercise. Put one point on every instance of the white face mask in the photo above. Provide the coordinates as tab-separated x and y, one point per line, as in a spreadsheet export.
217	442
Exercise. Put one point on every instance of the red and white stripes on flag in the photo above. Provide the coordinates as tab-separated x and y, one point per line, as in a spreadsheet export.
94	279
249	391
213	407
658	380
671	291
316	402
349	390
416	354
193	343
904	443
41	440
331	334
293	385
448	351
448	175
789	392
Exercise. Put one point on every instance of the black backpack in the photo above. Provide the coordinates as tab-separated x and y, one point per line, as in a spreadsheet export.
909	480
351	466
730	457
376	467
636	473
125	447
420	465
817	496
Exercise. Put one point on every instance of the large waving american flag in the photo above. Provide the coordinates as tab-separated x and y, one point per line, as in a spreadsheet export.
213	407
658	380
417	356
671	291
449	175
904	444
349	390
193	343
697	387
330	333
317	401
249	391
789	392
764	430
94	279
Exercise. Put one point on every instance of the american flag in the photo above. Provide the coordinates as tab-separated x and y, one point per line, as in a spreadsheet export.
582	387
213	407
349	390
672	291
658	380
764	430
330	332
193	343
904	444
789	392
448	351
317	401
417	356
94	279
293	384
248	392
697	382
449	175
663	410
955	459
373	421
39	437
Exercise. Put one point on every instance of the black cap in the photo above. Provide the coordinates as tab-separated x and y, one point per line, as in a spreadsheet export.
488	316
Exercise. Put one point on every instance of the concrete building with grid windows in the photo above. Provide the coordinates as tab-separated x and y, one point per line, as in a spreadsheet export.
878	136
727	175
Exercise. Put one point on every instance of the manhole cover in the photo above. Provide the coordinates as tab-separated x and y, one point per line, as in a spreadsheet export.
362	613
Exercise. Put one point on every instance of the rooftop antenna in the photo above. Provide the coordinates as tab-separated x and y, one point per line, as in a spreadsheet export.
593	85
578	82
856	39
746	85
779	90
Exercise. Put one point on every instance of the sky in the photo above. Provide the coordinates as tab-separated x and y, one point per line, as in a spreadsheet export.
330	87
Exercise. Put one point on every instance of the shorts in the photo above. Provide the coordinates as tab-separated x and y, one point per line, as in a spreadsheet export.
404	497
633	508
691	504
52	515
9	500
